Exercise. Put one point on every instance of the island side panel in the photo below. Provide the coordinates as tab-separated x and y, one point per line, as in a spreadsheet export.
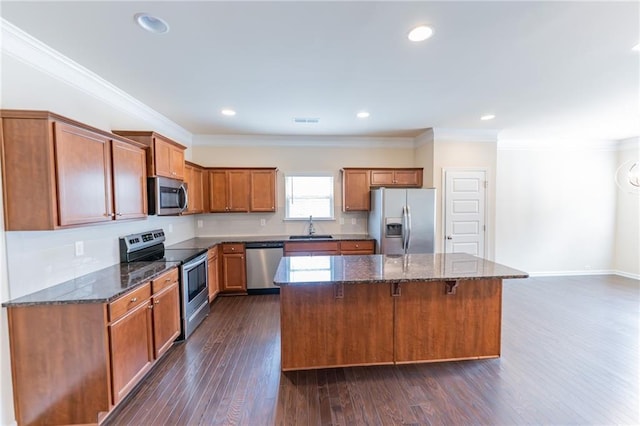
432	325
321	330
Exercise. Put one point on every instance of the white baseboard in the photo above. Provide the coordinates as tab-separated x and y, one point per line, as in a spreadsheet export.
628	275
569	273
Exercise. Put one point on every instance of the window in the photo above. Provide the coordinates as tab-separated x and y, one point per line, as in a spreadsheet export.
309	195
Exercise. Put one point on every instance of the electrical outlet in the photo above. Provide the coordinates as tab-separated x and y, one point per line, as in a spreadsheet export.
353	221
342	221
200	224
263	222
170	227
79	248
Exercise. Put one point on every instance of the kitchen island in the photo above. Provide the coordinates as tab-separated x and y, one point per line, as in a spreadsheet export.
338	311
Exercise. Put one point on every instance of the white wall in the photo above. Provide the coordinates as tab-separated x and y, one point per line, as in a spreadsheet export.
35	77
297	154
627	242
555	207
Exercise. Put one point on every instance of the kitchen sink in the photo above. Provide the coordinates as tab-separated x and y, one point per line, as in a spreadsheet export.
310	237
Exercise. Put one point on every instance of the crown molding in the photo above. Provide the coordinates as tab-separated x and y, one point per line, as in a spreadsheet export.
557	144
303	141
31	51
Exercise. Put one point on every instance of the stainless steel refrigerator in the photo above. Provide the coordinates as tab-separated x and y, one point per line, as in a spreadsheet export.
403	220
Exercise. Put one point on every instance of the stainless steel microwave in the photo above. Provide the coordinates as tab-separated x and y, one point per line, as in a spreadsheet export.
167	197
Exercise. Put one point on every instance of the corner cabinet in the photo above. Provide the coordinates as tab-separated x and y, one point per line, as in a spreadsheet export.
193	177
165	157
234	190
87	357
357	182
59	173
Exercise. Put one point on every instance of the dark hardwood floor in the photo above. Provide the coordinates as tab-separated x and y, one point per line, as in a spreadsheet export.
570	355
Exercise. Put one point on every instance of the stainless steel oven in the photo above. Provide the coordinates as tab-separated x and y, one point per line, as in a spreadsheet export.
195	292
167	197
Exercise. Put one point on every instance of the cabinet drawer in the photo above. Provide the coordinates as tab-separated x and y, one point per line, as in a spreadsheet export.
212	253
356	246
164	280
325	246
233	248
121	306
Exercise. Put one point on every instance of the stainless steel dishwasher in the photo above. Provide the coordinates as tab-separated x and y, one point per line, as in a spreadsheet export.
262	261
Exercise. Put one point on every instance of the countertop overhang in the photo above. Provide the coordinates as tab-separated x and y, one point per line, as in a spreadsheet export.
389	269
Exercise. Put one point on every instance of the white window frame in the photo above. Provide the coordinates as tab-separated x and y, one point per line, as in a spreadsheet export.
310	174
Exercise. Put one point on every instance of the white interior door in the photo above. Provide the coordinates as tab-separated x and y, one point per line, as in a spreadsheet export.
464	211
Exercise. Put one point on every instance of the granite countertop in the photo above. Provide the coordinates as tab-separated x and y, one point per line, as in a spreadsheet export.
208	242
389	269
101	286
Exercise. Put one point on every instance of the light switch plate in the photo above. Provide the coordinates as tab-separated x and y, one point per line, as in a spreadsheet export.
342	221
353	221
263	222
200	223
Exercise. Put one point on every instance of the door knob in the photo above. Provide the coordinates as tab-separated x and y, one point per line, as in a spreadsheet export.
449	237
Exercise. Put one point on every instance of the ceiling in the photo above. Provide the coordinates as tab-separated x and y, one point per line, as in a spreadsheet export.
545	69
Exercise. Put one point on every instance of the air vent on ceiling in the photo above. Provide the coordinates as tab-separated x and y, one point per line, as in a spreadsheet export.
306	120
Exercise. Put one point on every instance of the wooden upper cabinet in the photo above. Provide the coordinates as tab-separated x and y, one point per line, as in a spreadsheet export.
193	177
355	190
263	190
165	157
241	190
408	178
83	163
129	180
57	172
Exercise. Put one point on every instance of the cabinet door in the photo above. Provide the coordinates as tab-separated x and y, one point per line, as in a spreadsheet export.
129	180
431	325
188	179
411	177
196	197
166	318
263	190
329	325
355	190
176	162
382	177
83	164
238	190
234	275
131	349
162	157
217	191
214	285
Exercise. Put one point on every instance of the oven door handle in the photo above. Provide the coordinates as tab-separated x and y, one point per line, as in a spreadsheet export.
183	197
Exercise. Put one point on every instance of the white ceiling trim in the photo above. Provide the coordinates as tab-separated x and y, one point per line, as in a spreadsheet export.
33	52
303	141
557	144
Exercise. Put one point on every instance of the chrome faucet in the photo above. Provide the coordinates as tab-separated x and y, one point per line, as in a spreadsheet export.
312	230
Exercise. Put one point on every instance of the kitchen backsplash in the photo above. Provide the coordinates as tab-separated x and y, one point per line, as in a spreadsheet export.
40	259
232	224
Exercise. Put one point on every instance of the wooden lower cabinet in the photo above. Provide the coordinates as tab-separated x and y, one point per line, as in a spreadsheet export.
234	269
357	247
73	363
213	271
311	248
131	349
431	325
322	326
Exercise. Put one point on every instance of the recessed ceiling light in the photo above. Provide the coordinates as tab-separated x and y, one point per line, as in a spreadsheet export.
420	33
487	117
636	48
363	114
228	112
151	23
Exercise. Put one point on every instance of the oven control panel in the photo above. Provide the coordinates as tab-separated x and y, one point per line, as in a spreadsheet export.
139	241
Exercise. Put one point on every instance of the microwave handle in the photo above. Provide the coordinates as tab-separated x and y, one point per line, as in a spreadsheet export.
184	197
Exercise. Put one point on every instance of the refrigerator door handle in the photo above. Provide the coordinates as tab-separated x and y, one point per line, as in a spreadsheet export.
408	228
404	229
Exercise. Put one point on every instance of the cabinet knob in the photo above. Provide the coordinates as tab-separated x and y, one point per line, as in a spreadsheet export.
150	307
233	249
357	245
157	302
167	279
134	299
